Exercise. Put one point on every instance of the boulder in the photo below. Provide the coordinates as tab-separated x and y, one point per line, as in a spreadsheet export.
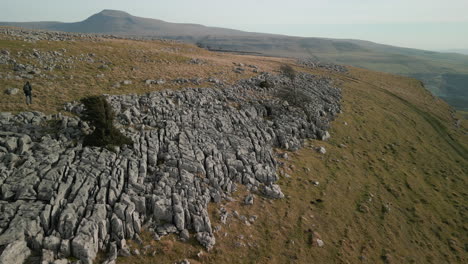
51	243
84	248
47	256
16	252
11	143
12	91
206	239
321	150
272	191
249	199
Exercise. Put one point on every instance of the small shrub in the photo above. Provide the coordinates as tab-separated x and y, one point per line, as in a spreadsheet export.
288	71
294	96
266	84
99	114
290	92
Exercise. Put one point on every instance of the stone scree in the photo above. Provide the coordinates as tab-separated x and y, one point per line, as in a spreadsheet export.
191	147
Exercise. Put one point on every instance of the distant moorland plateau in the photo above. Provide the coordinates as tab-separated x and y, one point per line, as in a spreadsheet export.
444	74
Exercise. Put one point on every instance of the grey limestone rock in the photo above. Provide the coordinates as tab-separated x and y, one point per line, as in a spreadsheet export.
12	91
84	247
184	235
321	150
52	243
15	252
249	199
112	253
312	63
47	256
206	239
272	191
60	261
11	143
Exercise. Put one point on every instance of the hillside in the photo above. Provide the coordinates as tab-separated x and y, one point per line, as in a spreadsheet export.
390	187
459	51
119	22
440	72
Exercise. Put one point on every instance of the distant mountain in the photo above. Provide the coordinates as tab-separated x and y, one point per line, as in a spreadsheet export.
119	22
445	74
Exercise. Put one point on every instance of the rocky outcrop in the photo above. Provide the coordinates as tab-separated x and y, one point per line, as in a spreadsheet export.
191	147
314	64
30	35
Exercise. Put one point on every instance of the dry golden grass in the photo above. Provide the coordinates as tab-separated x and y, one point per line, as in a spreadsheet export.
131	60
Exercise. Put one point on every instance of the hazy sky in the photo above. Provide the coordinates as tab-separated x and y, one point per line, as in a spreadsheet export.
424	24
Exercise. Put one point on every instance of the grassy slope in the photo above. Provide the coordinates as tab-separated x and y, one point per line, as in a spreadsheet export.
441	72
427	66
400	150
129	60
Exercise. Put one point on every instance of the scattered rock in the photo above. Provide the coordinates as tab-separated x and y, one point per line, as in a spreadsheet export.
184	235
321	150
314	64
252	219
239	70
249	199
320	243
12	91
272	191
124	252
364	208
158	82
214	80
386	208
325	136
207	240
197	61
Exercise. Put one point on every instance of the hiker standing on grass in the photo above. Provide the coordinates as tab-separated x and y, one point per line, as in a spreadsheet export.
27	88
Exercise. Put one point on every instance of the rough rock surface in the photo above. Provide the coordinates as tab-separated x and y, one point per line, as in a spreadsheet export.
191	147
12	91
312	63
30	35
